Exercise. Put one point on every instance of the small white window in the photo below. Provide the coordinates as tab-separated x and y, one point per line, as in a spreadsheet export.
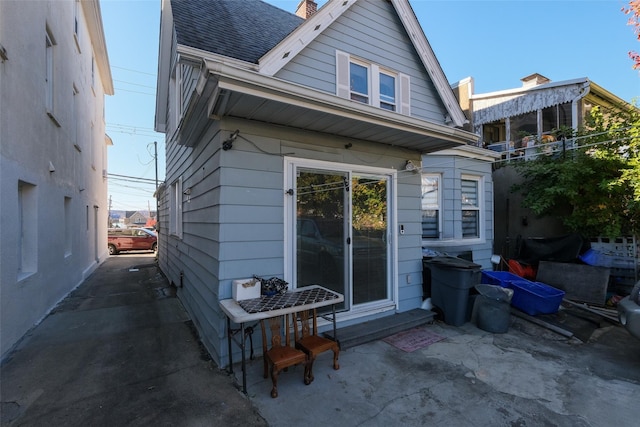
68	233
430	206
175	209
470	190
93	74
27	229
49	44
387	91
359	82
76	24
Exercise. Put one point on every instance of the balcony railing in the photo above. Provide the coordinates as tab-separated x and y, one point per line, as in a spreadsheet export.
531	147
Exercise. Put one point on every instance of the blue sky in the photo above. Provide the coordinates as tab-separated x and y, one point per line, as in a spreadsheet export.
495	42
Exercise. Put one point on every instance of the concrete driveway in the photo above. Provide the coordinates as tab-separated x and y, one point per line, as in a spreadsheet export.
120	350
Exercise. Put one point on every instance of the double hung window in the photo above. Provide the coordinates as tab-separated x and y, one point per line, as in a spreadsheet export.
48	78
430	206
371	84
175	209
470	207
359	82
387	91
451	207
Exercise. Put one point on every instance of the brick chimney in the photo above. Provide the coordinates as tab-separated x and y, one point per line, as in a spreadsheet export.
306	8
534	80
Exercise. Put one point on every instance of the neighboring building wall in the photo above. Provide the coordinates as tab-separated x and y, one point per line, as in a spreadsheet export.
463	91
514	222
53	156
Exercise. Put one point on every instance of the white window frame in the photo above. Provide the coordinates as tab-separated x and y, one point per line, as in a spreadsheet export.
68	226
27	229
49	75
76	24
438	206
477	208
402	90
175	209
393	104
368	95
291	165
93	74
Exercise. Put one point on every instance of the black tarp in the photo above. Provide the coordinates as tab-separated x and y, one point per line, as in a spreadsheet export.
532	250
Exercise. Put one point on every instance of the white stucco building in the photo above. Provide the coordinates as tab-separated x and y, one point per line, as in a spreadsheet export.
54	75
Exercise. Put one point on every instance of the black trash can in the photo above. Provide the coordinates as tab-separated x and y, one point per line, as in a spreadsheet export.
492	308
452	280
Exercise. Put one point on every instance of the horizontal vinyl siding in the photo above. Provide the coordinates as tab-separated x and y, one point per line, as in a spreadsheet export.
409	243
196	254
233	224
372	31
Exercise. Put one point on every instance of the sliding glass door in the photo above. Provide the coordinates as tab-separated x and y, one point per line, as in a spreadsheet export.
341	233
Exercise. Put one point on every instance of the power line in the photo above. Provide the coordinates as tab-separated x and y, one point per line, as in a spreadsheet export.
132	178
134	84
134	91
134	71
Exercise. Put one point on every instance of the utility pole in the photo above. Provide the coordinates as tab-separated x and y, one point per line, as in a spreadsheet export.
155	146
109	224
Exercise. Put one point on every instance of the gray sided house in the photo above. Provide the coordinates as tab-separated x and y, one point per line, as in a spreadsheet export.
294	148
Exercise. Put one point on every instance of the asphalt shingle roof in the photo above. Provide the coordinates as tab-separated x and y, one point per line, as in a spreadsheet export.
241	29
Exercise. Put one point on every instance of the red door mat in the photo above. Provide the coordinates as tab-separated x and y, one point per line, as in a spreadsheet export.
413	339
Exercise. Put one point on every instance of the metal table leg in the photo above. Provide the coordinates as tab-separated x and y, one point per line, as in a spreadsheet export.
244	361
229	344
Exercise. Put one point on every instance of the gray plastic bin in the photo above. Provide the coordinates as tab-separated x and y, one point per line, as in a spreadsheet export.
452	279
492	308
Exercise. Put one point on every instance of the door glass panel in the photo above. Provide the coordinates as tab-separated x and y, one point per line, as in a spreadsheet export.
321	239
369	201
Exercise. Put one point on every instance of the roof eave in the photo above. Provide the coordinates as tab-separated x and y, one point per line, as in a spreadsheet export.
93	16
251	83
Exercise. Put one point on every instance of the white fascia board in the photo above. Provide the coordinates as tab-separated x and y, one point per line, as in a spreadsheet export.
93	16
515	91
199	55
598	90
290	46
429	60
252	83
469	151
164	66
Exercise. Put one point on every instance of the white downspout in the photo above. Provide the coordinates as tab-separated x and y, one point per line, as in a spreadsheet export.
584	91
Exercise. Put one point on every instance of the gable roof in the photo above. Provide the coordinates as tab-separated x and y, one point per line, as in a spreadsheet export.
260	33
231	41
303	35
241	29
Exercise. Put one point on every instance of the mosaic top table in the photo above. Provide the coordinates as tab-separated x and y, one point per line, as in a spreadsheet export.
264	307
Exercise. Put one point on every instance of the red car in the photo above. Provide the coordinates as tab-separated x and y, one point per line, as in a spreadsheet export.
131	239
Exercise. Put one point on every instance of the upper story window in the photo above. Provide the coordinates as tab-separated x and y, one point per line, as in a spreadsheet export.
372	84
470	190
387	91
359	82
76	24
49	43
